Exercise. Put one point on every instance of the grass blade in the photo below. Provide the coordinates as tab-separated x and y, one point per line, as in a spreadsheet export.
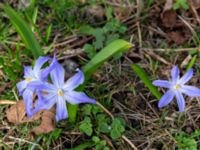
113	48
191	63
24	31
144	77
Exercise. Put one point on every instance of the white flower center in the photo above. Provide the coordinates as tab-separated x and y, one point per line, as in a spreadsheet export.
176	87
29	79
60	92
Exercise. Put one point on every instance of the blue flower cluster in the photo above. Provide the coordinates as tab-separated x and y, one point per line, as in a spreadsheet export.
52	91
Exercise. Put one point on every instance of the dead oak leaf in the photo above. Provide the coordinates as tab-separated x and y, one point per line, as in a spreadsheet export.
17	114
47	122
177	37
169	18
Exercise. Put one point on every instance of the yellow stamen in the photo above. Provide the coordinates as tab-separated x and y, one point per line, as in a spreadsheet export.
176	87
60	92
28	79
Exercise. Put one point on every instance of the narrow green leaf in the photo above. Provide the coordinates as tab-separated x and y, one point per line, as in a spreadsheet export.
24	31
48	33
191	63
144	77
112	49
83	146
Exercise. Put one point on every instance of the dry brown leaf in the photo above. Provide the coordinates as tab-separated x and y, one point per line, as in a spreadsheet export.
169	18
47	123
178	37
17	114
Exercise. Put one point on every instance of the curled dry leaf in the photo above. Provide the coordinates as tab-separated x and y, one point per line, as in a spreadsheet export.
17	114
47	122
177	37
169	16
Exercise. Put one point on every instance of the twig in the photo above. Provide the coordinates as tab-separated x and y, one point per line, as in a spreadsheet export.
104	109
23	140
159	58
129	142
10	102
168	49
123	136
139	34
195	12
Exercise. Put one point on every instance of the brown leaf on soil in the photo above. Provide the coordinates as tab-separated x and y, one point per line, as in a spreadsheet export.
178	37
169	18
47	124
17	114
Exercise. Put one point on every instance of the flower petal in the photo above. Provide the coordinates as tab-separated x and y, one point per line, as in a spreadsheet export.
28	72
175	73
44	102
188	75
180	101
162	83
21	86
166	99
190	91
47	70
28	101
61	109
57	75
34	84
74	81
74	97
39	63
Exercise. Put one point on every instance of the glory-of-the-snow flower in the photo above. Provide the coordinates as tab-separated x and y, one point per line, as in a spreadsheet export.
59	92
36	75
176	88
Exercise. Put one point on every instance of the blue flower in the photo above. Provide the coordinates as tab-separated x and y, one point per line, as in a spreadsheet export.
59	92
34	75
176	88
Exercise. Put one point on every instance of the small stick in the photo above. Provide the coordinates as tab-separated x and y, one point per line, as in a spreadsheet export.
9	102
104	109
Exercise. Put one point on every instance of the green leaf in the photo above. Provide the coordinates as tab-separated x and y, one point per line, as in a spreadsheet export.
48	33
144	77
86	126
180	4
104	127
191	63
117	128
24	31
112	49
83	146
90	50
